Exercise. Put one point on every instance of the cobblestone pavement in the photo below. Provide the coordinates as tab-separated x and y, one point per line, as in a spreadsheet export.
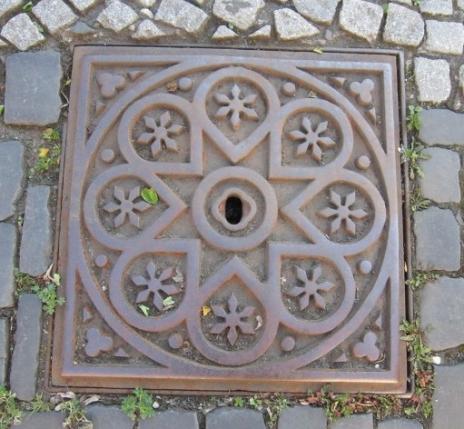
34	88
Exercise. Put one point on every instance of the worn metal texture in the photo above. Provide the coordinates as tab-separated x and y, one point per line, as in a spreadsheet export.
231	221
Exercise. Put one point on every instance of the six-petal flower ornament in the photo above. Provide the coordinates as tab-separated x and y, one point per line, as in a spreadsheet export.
234	320
237	106
160	133
310	139
127	206
154	285
342	212
310	289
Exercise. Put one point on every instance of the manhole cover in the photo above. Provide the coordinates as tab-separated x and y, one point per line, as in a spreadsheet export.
231	220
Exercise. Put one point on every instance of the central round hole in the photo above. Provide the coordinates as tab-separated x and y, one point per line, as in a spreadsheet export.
234	210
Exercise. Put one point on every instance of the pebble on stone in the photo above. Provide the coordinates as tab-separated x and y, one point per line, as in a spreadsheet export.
438	243
441	126
54	14
36	241
148	30
322	11
263	33
7	5
172	419
4	348
361	18
241	14
11	176
234	418
25	360
441	304
7	258
83	5
224	33
51	420
432	80
32	94
117	16
105	417
181	14
448	411
436	7
404	26
444	37
292	26
357	421
22	32
300	416
399	423
440	181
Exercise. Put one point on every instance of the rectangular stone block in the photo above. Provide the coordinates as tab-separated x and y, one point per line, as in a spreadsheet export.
7	263
32	89
25	360
4	348
11	176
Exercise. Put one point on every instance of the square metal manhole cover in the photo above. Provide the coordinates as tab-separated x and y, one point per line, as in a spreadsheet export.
231	220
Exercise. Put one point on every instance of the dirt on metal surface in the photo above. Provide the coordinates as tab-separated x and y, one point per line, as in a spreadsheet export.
231	221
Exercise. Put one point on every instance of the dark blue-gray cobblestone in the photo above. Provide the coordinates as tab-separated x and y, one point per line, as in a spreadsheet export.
441	127
11	176
32	93
36	241
25	360
7	258
234	418
177	419
4	347
359	421
106	417
399	424
302	417
49	420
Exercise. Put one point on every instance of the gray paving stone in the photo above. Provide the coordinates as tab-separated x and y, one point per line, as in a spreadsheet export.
176	419
441	126
36	241
399	424
359	421
441	304
448	410
117	16
7	5
105	417
437	240
81	29
181	14
292	26
224	33
444	37
7	257
322	11
54	15
436	7
241	14
11	176
4	348
22	32
303	417
32	95
234	418
404	26
432	80
361	18
83	5
148	30
25	360
263	33
50	420
440	182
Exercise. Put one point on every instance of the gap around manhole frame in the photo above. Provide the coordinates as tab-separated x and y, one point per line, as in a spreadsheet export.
98	382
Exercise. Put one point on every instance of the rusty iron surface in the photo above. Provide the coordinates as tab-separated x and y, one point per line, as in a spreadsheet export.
231	221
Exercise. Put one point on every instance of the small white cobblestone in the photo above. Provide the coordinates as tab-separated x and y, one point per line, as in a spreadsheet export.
83	5
22	32
264	33
241	14
436	7
117	16
321	11
148	30
224	33
54	15
404	26
181	14
361	18
7	5
444	37
432	80
292	26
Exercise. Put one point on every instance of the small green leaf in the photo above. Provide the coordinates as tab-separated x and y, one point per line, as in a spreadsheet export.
144	309
51	135
318	50
150	196
27	7
168	302
2	109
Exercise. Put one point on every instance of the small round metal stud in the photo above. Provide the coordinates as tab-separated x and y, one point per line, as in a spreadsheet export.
288	344
365	267
363	162
289	89
175	341
185	84
107	155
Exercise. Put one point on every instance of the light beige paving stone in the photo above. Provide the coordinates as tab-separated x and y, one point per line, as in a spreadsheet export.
444	37
148	30
241	14
403	26
224	33
436	7
432	79
322	11
117	16
54	15
182	15
22	32
361	18
292	26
